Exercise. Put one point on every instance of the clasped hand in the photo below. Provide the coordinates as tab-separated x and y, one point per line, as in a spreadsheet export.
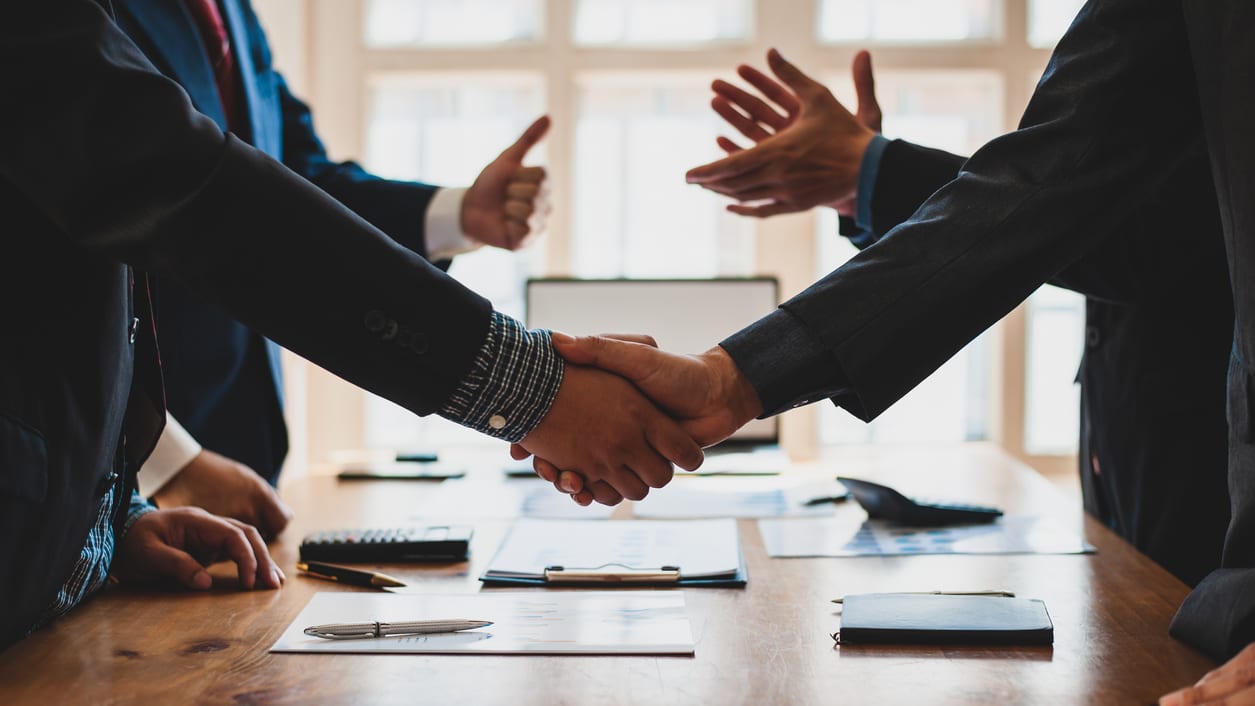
604	441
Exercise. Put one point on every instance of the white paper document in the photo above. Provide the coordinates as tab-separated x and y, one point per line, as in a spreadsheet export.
737	497
496	497
701	549
531	622
858	536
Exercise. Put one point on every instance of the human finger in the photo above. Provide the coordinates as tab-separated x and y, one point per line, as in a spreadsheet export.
1246	656
518	210
771	88
604	494
756	108
518	453
529	175
533	134
642	338
772	208
674	445
806	88
868	112
516	232
743	123
522	190
570	482
728	145
743	162
1225	687
264	568
583	498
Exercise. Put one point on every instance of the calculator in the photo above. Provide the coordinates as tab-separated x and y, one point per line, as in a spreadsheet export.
884	503
393	544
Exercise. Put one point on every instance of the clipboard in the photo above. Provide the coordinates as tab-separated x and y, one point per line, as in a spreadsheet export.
555	553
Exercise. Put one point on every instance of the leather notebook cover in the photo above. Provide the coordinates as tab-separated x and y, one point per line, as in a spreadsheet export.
938	619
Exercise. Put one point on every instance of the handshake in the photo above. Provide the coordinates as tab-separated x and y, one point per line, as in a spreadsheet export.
626	411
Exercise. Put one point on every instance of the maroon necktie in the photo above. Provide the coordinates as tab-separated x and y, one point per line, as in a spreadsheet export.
218	46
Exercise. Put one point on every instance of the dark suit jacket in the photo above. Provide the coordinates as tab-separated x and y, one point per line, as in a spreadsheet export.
223	381
105	164
1153	372
1115	115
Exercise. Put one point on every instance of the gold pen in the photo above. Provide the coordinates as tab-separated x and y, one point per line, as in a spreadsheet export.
344	574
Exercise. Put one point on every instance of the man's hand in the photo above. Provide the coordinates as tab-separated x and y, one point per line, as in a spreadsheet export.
1232	683
508	202
706	393
601	427
808	153
180	543
225	487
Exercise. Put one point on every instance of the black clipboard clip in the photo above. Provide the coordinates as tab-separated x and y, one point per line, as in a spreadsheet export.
611	574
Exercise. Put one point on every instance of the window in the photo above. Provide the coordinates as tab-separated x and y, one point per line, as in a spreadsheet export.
433	89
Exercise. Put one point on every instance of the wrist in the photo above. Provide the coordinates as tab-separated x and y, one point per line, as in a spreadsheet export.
846	195
734	390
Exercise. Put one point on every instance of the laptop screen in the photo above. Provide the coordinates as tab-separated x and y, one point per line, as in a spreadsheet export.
684	316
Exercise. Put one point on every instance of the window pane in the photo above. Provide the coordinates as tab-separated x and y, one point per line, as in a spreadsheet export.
634	215
443	130
957	110
907	20
659	21
1049	19
951	405
391	23
1056	326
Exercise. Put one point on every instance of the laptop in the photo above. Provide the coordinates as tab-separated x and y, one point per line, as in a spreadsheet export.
684	316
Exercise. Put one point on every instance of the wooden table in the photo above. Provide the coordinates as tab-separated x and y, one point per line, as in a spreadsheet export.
766	644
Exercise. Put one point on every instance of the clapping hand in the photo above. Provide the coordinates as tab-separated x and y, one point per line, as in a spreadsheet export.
809	148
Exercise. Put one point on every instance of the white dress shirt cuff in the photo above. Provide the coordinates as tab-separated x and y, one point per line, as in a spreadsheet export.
175	449
444	226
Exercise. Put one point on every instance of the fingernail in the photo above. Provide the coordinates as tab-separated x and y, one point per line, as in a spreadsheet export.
201	580
560	338
276	577
566	486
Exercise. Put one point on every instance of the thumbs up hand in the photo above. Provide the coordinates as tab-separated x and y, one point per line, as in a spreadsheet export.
508	202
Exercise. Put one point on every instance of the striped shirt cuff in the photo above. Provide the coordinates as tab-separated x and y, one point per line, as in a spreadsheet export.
138	508
512	383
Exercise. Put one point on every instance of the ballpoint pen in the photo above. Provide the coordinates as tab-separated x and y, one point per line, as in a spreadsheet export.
354	631
990	592
344	574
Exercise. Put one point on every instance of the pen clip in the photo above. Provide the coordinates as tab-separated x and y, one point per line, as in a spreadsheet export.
611	574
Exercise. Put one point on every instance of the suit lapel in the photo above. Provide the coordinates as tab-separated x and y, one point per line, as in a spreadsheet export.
172	42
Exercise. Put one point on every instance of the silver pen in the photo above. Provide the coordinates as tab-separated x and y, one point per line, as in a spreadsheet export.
354	631
989	592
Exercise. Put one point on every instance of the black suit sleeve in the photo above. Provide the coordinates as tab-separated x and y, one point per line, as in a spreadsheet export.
1022	209
120	161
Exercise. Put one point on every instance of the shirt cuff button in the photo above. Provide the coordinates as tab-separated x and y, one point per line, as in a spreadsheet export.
496	421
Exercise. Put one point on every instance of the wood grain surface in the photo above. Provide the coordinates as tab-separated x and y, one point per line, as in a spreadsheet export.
766	644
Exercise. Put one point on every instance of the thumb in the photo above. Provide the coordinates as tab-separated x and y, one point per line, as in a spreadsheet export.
533	134
633	361
869	112
804	86
165	561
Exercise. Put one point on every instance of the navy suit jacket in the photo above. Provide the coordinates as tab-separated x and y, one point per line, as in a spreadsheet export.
223	381
105	165
1132	90
1155	360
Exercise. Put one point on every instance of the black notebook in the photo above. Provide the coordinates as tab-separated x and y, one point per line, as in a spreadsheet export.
906	619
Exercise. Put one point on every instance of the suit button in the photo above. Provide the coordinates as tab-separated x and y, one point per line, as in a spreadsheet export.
1093	336
389	330
420	344
375	321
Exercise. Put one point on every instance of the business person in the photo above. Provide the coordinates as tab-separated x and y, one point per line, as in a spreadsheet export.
1155	357
106	166
1133	88
222	380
